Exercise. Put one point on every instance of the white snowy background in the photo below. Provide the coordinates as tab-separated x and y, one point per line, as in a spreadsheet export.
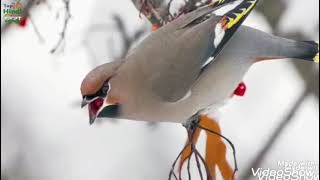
45	135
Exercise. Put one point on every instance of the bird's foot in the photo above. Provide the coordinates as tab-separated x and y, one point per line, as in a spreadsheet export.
192	123
216	151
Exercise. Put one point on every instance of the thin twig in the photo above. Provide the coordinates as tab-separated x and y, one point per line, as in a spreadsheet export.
204	163
180	168
188	166
40	37
191	129
170	16
127	39
65	26
198	163
149	10
175	162
229	142
190	139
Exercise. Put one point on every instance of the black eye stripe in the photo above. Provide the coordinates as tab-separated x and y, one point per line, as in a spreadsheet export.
90	97
102	92
105	88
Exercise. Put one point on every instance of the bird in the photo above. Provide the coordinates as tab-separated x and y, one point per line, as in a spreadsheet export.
187	67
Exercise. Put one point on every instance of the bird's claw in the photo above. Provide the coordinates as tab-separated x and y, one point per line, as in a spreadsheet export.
192	123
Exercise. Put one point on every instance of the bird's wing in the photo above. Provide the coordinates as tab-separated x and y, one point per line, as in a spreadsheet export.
200	13
234	6
176	76
232	21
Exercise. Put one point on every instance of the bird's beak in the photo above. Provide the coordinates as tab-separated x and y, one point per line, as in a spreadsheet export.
95	104
84	103
92	119
86	100
99	107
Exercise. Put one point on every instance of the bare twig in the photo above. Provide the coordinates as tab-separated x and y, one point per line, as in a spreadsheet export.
204	163
170	16
229	142
198	164
127	39
172	173
191	129
41	39
188	167
65	26
152	9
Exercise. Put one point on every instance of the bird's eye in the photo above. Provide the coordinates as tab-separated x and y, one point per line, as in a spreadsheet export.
105	88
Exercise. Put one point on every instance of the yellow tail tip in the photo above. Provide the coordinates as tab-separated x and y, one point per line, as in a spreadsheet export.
316	58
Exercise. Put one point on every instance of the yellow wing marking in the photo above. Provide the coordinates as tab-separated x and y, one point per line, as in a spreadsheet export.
234	21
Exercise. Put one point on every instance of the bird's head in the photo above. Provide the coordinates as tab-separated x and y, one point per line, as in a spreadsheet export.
95	90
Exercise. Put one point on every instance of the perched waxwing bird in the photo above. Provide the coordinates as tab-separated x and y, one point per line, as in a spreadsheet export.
186	67
95	87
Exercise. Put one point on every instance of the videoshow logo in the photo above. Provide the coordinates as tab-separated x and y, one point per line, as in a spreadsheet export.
289	171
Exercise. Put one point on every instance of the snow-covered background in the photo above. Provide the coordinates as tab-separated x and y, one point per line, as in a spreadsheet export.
45	135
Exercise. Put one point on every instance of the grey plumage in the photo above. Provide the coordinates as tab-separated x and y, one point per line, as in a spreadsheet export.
212	87
174	59
180	56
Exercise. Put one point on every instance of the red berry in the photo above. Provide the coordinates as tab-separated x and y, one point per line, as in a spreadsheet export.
23	22
241	90
155	27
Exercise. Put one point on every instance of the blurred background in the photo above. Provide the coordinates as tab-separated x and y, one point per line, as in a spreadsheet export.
45	134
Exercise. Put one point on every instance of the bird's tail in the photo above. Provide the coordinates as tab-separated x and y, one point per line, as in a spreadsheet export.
316	57
286	48
309	51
